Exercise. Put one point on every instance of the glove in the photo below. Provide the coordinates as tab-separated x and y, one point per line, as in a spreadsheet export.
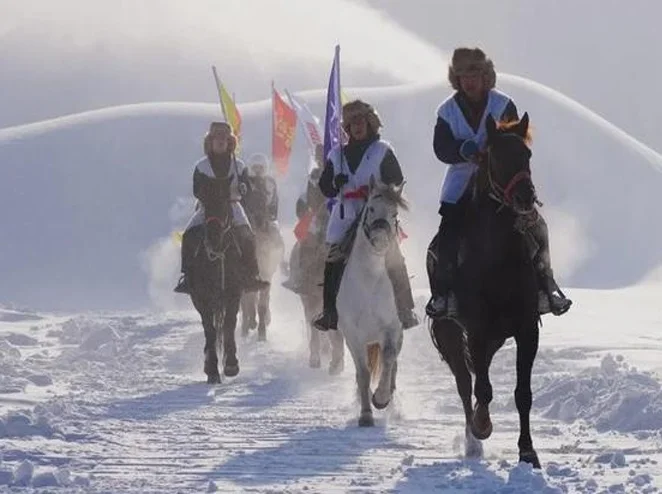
340	180
468	149
243	189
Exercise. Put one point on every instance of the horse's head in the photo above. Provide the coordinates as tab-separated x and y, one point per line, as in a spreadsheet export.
508	170
380	218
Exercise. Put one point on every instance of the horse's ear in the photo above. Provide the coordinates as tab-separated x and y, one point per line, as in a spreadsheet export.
523	126
491	126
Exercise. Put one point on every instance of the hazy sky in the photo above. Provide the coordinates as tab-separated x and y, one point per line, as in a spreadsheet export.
105	189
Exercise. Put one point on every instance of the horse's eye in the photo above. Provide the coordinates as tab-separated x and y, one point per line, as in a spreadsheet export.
371	209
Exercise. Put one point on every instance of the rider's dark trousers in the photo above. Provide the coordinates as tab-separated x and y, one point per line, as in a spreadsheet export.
448	245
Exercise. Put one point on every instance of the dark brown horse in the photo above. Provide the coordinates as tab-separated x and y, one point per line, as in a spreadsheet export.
496	285
216	287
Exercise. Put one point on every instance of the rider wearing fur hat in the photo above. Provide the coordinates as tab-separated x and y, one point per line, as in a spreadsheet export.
460	139
219	165
347	180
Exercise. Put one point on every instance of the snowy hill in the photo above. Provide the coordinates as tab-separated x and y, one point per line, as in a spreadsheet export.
85	196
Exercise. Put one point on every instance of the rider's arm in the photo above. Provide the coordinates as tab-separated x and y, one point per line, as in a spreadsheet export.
301	207
446	146
273	207
203	187
326	181
390	170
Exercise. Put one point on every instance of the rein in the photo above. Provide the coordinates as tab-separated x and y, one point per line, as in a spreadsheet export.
503	195
218	255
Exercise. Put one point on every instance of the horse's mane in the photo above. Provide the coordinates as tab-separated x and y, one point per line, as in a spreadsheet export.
506	126
391	194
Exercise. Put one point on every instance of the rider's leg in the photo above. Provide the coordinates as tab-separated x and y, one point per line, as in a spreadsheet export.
294	281
550	297
333	271
190	242
397	273
443	301
246	240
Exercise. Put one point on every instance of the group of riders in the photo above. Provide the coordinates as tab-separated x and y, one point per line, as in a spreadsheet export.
337	190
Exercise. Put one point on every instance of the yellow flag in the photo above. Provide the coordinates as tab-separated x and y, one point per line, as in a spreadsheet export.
343	97
229	107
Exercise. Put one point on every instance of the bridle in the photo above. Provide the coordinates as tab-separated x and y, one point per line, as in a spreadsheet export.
504	194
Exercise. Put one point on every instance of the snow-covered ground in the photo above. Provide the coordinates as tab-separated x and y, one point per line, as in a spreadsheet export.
117	403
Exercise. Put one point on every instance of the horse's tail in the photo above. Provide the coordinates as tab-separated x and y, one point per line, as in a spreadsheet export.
374	361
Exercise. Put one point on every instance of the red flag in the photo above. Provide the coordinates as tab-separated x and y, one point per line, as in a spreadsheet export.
284	129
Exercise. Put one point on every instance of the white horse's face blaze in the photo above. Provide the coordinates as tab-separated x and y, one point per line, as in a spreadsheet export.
380	221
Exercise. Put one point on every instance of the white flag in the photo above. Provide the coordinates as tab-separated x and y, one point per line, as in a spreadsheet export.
310	123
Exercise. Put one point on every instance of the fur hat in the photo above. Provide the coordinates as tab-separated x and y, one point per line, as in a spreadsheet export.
258	160
359	108
219	128
471	61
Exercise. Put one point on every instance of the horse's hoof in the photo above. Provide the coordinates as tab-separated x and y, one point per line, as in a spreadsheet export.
261	336
377	405
366	420
314	362
473	448
530	457
336	368
231	370
214	378
252	324
481	425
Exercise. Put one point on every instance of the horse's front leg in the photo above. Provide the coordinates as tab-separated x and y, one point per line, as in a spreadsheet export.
481	423
382	395
211	357
230	361
527	348
363	385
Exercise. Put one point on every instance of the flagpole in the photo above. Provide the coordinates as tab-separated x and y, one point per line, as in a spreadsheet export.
340	151
273	118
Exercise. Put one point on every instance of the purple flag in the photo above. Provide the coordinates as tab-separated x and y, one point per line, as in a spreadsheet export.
332	124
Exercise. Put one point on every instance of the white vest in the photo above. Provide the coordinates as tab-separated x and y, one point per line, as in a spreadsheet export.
458	175
369	166
238	214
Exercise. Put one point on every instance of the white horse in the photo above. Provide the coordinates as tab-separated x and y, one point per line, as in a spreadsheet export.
367	314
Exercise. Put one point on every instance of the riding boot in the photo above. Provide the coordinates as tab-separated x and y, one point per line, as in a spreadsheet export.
404	301
333	272
441	271
189	245
252	281
550	297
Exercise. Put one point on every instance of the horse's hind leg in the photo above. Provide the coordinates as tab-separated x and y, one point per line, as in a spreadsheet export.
211	357
248	320
263	313
527	347
337	363
363	384
230	361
